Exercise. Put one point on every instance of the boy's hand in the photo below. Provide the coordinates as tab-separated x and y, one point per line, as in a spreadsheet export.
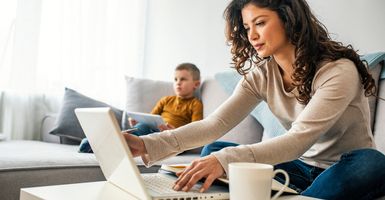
135	144
132	122
166	126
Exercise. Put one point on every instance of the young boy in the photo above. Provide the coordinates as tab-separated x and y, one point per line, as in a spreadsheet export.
179	109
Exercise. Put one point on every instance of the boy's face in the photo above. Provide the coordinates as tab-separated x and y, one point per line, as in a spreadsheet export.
184	84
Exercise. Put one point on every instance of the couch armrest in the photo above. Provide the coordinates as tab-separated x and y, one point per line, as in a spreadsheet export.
48	123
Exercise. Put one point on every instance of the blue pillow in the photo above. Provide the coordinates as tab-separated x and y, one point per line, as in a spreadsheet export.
271	125
373	59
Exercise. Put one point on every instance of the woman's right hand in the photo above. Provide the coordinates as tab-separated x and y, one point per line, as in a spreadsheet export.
135	144
207	167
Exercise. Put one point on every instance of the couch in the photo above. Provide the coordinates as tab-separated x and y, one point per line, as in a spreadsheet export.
26	163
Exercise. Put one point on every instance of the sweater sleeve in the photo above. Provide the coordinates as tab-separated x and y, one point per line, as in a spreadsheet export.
335	87
169	143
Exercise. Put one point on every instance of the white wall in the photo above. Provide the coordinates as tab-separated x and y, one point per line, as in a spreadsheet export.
357	22
193	30
185	31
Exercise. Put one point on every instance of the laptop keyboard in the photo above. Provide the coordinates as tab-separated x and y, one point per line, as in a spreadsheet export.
163	184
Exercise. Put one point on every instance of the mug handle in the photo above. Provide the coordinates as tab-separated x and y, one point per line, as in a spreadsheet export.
284	186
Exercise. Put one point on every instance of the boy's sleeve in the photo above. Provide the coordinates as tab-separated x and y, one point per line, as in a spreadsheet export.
158	109
197	111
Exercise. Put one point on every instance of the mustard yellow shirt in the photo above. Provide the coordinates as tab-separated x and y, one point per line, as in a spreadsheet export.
177	111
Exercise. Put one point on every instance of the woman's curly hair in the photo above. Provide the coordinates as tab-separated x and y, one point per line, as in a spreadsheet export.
309	36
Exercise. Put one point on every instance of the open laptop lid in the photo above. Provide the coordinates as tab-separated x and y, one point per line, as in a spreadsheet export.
110	148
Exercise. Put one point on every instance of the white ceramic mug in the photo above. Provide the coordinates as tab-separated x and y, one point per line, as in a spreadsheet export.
250	181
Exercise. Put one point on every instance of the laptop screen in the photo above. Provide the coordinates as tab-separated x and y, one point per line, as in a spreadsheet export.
110	148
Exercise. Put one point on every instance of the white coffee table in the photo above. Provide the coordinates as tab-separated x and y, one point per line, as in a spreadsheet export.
92	191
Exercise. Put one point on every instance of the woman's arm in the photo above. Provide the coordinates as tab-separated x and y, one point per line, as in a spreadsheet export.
168	143
336	85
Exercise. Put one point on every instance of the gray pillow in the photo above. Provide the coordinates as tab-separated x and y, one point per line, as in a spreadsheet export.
67	125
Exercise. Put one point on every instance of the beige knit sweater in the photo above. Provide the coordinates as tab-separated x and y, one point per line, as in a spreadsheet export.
335	121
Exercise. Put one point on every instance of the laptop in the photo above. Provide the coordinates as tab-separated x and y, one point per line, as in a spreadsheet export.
119	168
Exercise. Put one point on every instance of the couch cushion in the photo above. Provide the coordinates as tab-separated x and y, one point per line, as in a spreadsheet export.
374	59
271	125
36	154
142	94
28	154
247	132
35	163
67	125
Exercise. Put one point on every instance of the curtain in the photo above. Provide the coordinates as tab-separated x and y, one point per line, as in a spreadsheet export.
86	45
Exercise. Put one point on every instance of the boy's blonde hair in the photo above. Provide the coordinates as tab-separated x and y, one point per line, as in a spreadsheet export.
196	74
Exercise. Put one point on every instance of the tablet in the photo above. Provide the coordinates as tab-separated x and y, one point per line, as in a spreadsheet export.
150	119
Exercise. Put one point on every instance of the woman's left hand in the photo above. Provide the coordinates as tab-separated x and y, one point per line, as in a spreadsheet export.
207	167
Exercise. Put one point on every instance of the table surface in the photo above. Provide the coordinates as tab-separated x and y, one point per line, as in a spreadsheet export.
93	190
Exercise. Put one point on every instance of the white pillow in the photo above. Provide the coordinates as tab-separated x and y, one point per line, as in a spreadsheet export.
142	94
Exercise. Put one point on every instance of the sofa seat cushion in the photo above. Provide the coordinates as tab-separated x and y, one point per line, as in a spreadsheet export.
34	163
27	154
37	154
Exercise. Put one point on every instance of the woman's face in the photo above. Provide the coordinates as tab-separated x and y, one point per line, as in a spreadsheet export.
265	30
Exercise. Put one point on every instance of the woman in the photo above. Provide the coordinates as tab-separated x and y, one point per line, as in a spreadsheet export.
316	87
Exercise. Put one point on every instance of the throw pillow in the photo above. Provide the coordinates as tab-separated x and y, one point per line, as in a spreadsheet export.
143	94
67	125
271	125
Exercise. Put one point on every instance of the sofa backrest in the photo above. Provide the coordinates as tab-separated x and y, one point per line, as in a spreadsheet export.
213	95
148	92
142	94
